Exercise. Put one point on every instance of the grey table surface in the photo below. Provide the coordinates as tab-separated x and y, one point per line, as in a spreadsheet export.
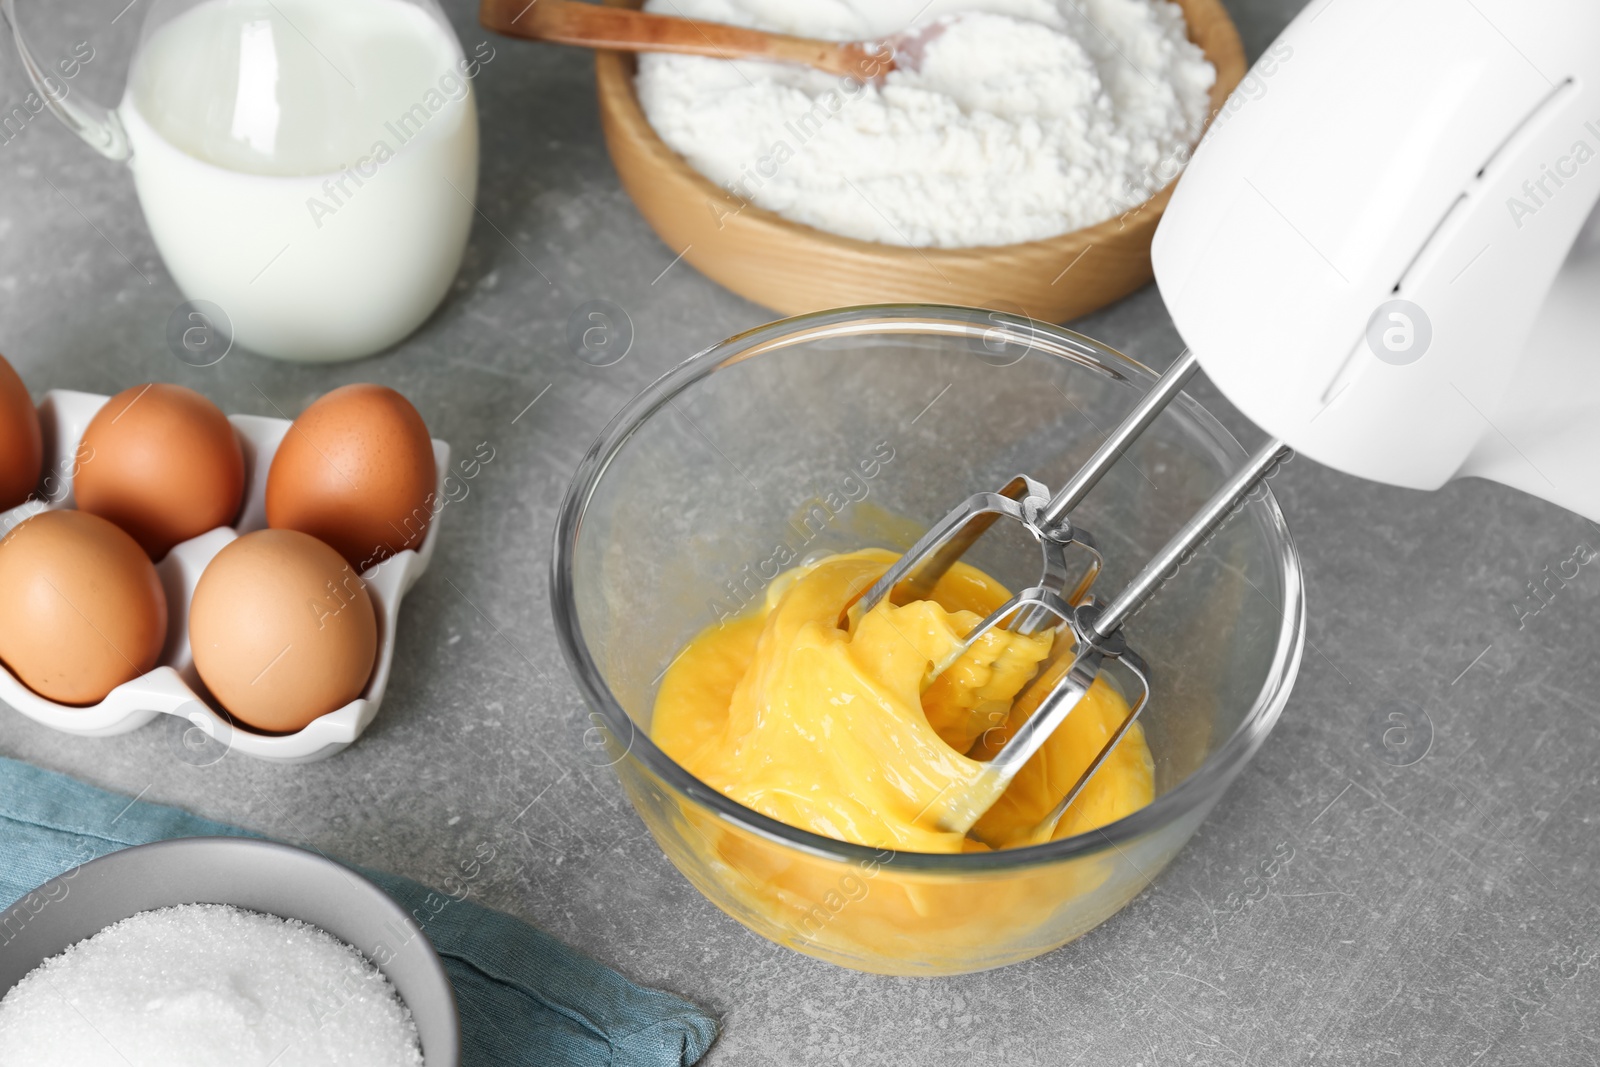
1439	912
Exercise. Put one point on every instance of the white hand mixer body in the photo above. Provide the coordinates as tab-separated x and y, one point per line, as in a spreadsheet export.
1381	253
1387	254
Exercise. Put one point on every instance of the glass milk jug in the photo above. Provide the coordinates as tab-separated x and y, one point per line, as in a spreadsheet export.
307	166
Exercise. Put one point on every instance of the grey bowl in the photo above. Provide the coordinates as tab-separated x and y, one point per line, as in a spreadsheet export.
260	876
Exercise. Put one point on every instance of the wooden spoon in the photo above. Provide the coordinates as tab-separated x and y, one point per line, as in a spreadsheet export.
624	30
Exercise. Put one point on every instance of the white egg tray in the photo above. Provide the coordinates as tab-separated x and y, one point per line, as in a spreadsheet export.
173	687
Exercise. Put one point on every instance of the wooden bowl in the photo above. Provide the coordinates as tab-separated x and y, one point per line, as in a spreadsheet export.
792	268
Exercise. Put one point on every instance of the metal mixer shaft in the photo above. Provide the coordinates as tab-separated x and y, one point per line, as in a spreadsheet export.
1060	599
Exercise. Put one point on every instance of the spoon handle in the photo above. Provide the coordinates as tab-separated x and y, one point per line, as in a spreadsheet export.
625	30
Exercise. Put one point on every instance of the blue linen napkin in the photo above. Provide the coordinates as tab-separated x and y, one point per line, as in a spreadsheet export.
524	997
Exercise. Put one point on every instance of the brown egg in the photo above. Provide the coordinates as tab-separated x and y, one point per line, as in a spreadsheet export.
83	607
357	471
163	463
21	445
283	630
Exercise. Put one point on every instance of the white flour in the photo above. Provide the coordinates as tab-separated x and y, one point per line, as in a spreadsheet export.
1032	119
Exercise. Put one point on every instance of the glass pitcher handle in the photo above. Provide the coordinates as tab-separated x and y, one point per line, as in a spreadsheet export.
100	128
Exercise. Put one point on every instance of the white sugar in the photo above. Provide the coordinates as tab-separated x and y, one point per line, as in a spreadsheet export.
1027	119
207	984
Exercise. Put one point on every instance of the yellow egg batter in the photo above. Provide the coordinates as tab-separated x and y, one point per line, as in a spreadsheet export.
841	734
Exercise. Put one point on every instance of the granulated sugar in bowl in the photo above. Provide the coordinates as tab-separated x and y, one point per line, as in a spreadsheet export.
204	984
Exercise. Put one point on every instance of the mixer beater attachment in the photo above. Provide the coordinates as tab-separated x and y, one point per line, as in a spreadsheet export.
1058	600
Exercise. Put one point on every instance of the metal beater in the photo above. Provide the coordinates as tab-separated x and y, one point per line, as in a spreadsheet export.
1058	598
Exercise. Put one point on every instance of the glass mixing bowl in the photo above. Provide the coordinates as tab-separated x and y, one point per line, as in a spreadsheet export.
862	426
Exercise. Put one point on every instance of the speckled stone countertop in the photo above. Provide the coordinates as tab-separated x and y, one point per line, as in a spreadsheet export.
1440	912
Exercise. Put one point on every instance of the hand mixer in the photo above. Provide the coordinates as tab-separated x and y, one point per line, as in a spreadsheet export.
1386	252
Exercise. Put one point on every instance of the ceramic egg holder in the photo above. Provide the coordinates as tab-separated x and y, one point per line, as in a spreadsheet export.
174	687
